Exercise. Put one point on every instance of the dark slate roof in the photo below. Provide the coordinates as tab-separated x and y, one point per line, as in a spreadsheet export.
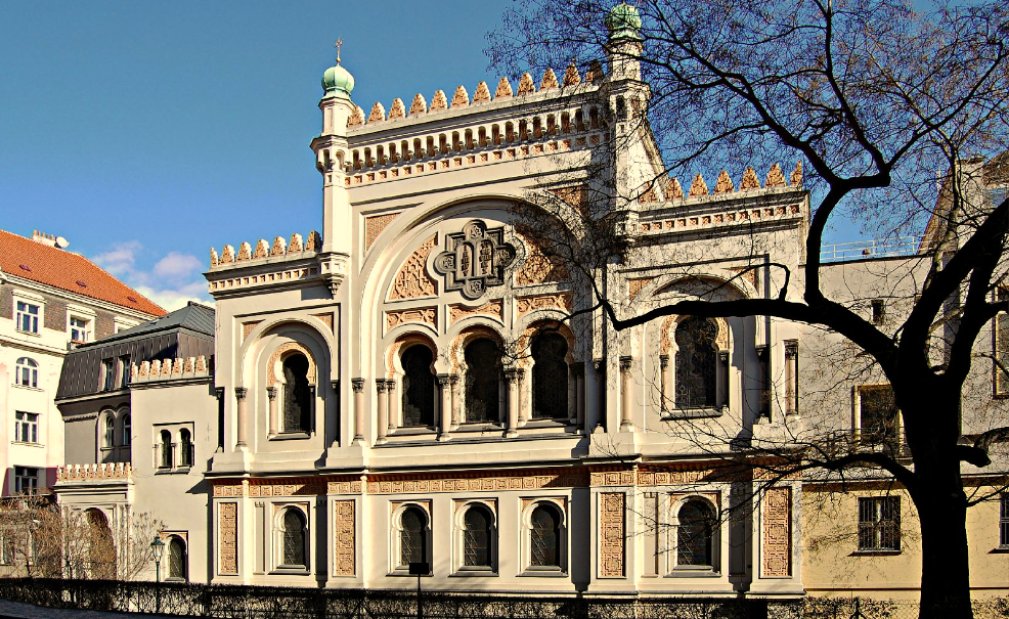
186	332
194	316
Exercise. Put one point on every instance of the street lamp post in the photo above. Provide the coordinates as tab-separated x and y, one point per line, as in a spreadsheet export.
157	547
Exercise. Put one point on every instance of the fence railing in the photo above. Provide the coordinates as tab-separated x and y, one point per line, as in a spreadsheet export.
871	248
260	602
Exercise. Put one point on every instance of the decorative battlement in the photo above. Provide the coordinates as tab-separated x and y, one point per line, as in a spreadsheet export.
672	191
461	99
169	369
106	471
265	252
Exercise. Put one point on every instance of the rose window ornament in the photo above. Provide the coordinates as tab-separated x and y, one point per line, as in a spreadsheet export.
474	259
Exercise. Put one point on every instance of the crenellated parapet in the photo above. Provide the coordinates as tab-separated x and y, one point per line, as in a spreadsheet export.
481	95
106	471
668	188
163	370
264	251
667	208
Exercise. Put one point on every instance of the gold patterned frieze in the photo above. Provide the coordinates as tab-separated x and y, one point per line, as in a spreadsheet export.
493	308
483	481
423	315
557	301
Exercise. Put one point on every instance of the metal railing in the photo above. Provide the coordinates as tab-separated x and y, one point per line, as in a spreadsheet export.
889	247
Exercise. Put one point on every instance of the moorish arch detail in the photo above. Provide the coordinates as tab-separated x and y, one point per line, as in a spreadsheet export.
282	351
475	259
669	326
412	280
538	268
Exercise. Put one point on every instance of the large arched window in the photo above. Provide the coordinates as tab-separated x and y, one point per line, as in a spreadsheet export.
293	548
178	562
478	538
110	431
483	380
696	359
694	534
413	537
550	376
545	537
26	372
418	386
297	394
185	448
166	450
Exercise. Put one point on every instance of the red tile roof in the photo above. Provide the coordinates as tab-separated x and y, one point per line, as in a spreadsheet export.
61	269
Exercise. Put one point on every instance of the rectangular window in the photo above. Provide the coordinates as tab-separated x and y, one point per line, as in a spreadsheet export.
1000	345
879	523
124	371
26	480
108	375
27	317
878	311
878	417
26	427
1003	522
80	330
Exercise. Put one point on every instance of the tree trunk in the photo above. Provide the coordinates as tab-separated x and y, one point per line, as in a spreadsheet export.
942	511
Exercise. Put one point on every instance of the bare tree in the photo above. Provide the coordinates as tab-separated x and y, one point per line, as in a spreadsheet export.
42	540
890	107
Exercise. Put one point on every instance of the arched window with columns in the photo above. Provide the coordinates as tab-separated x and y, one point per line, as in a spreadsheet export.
294	535
550	376
483	381
418	397
413	537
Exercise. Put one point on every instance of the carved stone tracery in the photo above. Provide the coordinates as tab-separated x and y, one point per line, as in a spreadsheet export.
611	534
474	259
412	280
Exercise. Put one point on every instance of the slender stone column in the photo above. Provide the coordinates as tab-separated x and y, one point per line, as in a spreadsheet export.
456	401
626	401
390	386
579	372
791	377
663	383
723	379
445	407
271	393
512	380
599	366
358	386
383	410
243	416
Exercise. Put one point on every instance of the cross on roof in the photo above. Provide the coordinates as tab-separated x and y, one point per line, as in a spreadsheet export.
338	45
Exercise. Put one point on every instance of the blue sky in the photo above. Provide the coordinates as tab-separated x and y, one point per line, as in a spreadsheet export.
145	132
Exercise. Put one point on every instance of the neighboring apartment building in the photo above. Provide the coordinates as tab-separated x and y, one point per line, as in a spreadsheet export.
140	417
409	386
50	300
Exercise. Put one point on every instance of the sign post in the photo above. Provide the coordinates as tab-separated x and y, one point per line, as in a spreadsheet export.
420	569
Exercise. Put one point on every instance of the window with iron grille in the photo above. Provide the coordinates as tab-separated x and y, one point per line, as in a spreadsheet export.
413	546
696	357
478	536
483	379
26	427
293	550
1003	523
879	523
545	538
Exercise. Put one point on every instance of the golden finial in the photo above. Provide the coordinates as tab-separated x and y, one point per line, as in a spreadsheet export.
338	45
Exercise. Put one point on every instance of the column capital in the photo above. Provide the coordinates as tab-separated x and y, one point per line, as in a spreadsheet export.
625	362
453	378
380	385
663	361
271	392
334	385
791	349
390	385
241	392
357	384
599	364
443	379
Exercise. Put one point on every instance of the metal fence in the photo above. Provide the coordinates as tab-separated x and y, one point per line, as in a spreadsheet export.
258	602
